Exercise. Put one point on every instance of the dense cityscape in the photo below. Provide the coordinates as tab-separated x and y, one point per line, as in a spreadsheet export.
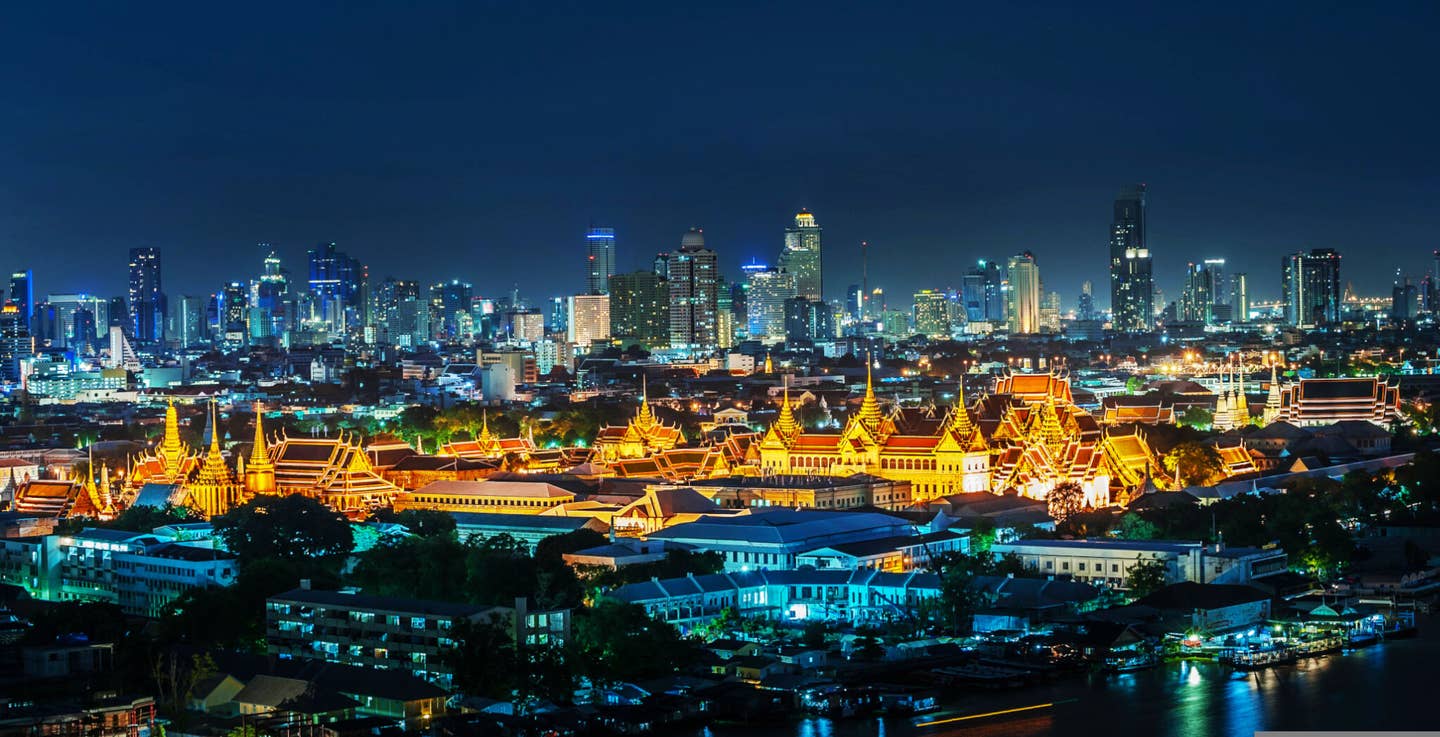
831	481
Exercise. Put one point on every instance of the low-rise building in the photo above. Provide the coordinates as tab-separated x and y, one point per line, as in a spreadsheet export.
798	491
509	497
774	538
391	633
1108	562
527	528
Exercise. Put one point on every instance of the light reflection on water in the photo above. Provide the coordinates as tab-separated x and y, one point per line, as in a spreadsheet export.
1375	688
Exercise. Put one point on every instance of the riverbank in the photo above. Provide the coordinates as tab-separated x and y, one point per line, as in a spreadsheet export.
1372	688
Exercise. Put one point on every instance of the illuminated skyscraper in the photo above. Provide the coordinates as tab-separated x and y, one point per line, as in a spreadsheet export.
452	300
16	345
147	298
801	256
1132	289
589	319
932	314
22	294
187	327
982	293
234	310
269	307
1023	294
694	285
640	309
1240	297
765	296
599	260
1310	288
1197	296
1086	303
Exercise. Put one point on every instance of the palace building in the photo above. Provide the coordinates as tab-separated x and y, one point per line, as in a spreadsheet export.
1312	402
335	471
643	436
1028	437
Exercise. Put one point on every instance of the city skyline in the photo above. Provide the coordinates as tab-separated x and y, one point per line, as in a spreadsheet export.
312	143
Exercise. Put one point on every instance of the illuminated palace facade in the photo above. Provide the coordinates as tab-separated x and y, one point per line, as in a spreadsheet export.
335	471
1028	436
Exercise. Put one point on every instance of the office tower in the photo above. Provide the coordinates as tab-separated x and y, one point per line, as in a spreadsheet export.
1197	295
662	265
16	345
1404	299
854	303
1086	304
1050	312
725	329
599	260
1132	289
1310	288
185	322
452	301
57	323
765	295
640	309
808	320
589	319
339	287
1218	285
270	301
82	330
147	298
22	294
981	291
801	256
559	315
234	308
525	325
409	320
694	284
932	314
1023	294
1240	297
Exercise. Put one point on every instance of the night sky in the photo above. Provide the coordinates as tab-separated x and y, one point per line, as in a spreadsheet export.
479	140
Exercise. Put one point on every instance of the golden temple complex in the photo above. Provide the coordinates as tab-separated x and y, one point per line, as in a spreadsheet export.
1028	437
643	436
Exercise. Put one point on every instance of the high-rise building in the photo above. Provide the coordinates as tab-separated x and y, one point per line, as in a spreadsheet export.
694	292
932	314
59	323
339	289
765	295
640	309
982	293
234	311
186	322
147	298
1086	304
269	304
1240	297
801	256
589	319
16	345
599	260
855	303
1404	299
1023	294
22	294
1197	296
452	301
1132	288
1310	288
808	320
1050	312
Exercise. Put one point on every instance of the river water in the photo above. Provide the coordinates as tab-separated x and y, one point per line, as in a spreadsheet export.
1384	687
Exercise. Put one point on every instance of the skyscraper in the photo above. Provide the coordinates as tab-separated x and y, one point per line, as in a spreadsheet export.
1132	289
589	319
1240	297
640	309
599	260
982	293
234	308
269	307
187	322
147	298
1310	288
1086	303
22	294
932	314
1023	294
16	345
801	256
694	284
765	296
1197	296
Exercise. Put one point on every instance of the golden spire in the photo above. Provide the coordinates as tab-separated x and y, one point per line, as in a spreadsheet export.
214	472
172	450
960	416
869	413
785	424
644	417
769	363
486	440
260	453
